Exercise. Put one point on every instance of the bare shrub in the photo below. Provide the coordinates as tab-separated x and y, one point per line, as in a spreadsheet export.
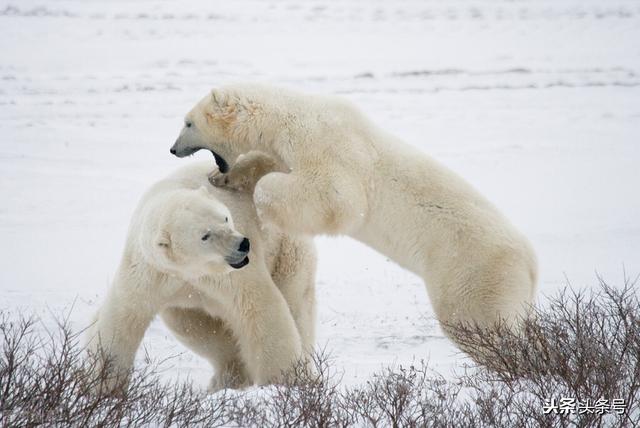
404	397
47	381
310	397
582	346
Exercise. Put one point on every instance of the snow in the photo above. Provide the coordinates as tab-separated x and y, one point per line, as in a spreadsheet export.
535	102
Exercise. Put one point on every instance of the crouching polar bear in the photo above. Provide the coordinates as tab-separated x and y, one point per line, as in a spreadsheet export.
186	258
343	175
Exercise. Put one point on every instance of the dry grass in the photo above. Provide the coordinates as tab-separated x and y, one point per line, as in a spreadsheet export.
582	345
47	381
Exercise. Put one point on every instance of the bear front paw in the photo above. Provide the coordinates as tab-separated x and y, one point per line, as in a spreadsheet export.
229	181
218	179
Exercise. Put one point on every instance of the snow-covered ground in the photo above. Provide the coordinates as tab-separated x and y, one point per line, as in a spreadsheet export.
535	102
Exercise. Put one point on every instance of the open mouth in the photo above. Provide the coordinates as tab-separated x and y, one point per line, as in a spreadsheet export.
223	166
242	263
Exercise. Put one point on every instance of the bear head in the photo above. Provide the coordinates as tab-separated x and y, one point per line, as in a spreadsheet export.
230	121
194	236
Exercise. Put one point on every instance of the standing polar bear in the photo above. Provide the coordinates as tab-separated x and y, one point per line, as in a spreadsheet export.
345	176
186	257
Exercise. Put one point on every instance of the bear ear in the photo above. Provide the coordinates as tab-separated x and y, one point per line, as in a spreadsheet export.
163	244
218	98
163	240
225	107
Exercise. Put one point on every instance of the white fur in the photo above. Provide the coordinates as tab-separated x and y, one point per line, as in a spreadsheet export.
349	177
252	324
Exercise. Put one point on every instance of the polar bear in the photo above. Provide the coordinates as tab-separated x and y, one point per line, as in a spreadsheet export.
343	175
237	294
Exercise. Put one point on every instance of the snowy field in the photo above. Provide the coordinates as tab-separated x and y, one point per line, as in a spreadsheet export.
535	102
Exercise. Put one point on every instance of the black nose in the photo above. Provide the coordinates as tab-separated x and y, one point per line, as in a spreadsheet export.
173	151
244	246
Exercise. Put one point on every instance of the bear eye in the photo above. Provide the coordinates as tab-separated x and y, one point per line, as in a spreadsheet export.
226	219
188	124
206	236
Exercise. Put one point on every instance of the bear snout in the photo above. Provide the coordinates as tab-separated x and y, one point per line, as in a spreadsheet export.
239	257
244	246
182	152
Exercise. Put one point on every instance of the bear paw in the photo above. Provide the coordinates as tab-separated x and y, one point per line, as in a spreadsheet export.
228	181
